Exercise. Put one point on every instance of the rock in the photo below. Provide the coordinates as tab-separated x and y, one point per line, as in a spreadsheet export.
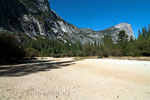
117	96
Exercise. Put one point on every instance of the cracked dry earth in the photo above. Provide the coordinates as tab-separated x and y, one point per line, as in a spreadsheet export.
64	79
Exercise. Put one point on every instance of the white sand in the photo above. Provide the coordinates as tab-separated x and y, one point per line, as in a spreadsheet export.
90	79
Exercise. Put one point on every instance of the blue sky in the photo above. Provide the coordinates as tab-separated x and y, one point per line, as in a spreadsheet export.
102	14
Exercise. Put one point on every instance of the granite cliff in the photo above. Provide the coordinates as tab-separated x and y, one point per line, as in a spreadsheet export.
36	18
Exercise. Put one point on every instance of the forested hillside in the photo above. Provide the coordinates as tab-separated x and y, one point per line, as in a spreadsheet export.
105	47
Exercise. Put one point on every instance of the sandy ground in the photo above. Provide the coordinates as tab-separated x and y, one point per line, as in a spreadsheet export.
64	79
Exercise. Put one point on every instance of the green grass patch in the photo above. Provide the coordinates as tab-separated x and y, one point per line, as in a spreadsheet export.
79	58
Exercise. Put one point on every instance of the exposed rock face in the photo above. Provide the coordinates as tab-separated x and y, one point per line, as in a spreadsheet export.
113	31
35	18
127	27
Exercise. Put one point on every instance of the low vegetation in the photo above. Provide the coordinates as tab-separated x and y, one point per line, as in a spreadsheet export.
11	49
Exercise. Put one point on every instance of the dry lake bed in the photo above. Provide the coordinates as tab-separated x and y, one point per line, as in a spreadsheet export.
65	79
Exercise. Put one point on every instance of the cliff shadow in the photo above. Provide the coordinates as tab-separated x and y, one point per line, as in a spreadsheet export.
11	12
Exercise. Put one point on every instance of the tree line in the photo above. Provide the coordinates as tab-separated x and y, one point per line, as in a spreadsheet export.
12	48
124	46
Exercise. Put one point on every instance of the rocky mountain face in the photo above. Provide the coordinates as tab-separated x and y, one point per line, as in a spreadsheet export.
36	18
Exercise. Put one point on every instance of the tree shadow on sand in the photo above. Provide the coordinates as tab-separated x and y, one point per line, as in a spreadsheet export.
31	67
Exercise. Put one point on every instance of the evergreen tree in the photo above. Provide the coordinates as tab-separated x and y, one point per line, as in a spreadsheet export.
139	32
122	42
144	32
148	28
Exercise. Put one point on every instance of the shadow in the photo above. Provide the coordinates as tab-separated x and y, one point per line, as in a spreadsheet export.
31	67
19	61
11	12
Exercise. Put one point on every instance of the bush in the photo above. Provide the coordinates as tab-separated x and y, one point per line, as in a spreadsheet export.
116	52
11	49
30	52
142	48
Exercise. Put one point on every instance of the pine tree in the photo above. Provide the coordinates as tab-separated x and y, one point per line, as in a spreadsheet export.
122	42
139	32
144	32
148	28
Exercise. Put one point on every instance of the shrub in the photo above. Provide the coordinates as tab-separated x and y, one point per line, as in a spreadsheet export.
31	52
11	48
116	52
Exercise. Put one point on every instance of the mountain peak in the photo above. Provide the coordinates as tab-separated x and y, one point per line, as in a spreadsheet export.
127	27
122	25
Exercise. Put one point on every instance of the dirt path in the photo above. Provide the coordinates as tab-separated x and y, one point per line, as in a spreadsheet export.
64	79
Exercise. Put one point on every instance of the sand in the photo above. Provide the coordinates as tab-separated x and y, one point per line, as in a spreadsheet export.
65	79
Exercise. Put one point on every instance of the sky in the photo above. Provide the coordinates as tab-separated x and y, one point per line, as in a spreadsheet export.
102	14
